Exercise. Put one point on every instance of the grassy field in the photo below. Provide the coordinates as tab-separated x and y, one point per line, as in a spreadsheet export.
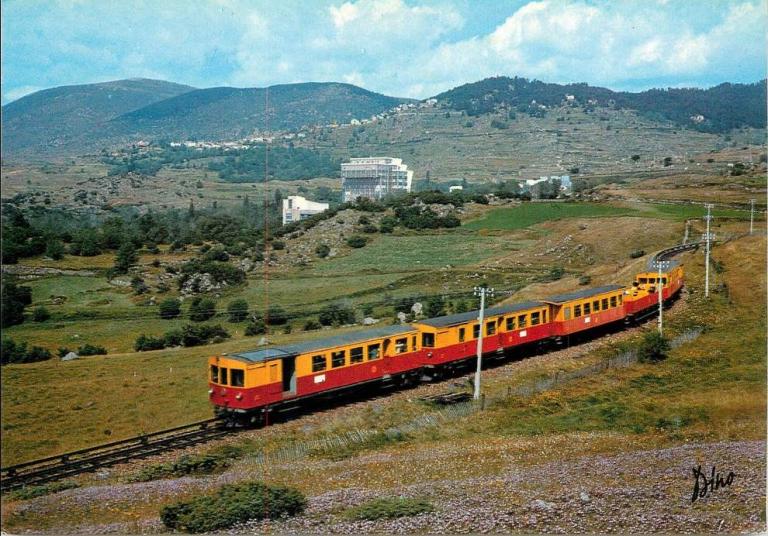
529	214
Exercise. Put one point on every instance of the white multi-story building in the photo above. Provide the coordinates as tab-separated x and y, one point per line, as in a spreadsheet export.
297	208
374	177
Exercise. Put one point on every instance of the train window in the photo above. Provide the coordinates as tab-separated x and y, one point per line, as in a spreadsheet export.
490	328
238	378
663	280
587	310
544	316
613	301
576	311
401	345
604	305
643	280
621	299
535	318
595	306
428	340
338	359
319	363
462	334
373	352
223	376
476	331
413	343
522	321
567	313
214	374
356	355
510	323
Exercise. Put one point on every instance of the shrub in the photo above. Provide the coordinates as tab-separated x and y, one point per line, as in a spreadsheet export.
322	250
145	343
216	254
237	310
555	273
231	504
91	349
311	325
190	464
389	508
172	338
40	314
585	280
653	348
170	308
637	253
12	352
357	241
278	244
192	335
276	315
370	229
255	327
202	309
32	492
334	314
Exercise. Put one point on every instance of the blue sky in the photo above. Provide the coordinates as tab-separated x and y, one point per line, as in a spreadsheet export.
405	48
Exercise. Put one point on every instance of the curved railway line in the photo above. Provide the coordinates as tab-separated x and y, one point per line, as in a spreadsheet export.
81	461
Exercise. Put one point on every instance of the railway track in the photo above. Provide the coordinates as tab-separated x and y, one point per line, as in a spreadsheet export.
87	460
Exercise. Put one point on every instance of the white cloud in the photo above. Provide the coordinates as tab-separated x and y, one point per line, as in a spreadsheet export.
19	92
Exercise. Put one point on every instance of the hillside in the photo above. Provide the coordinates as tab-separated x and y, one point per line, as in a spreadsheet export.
63	117
717	109
232	113
80	119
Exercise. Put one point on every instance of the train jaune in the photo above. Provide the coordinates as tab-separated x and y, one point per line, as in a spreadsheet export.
246	386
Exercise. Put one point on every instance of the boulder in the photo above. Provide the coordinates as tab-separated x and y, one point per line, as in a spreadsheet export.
70	357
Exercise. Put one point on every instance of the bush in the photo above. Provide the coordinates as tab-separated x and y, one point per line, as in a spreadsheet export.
191	464
370	229
32	492
192	335
357	241
12	352
389	508
637	253
237	310
91	349
653	348
312	325
14	299
278	244
585	280
276	315
202	309
322	250
172	338
146	343
170	308
40	314
232	504
255	327
216	254
335	314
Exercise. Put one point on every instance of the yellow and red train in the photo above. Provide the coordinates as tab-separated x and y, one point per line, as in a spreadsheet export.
247	386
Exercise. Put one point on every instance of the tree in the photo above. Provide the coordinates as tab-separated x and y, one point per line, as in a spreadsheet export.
54	248
322	250
357	241
14	299
276	315
170	308
126	257
635	157
237	310
334	314
40	314
435	306
202	309
653	348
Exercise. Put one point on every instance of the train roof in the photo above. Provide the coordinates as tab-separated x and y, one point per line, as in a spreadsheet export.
580	294
463	318
276	352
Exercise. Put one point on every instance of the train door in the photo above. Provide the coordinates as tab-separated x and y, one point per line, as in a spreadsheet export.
289	375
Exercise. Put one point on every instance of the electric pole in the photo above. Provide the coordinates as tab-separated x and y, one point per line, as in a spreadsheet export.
482	292
708	238
660	290
751	215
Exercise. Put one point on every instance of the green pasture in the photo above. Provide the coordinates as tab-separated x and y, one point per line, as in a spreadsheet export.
528	214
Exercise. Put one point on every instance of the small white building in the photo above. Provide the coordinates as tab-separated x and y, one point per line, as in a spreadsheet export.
374	177
457	188
296	208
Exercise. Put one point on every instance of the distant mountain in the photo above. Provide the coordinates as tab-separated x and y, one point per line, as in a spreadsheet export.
230	113
78	119
717	109
60	117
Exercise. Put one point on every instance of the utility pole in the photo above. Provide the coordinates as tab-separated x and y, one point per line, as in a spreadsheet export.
482	292
660	290
751	215
687	229
708	238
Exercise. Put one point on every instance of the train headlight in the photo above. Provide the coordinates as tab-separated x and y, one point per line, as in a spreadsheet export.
239	396
210	392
